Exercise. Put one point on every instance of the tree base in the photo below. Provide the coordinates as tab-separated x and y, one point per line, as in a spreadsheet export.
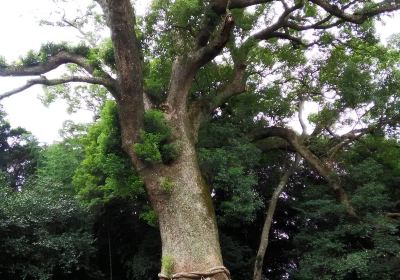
215	273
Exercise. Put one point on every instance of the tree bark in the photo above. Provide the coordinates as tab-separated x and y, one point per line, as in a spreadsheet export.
186	215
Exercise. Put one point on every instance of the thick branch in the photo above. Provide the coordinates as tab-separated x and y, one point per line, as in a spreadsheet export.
44	81
201	109
185	68
273	143
301	119
106	11
126	48
219	6
393	215
129	67
358	17
205	54
296	142
268	32
53	62
236	86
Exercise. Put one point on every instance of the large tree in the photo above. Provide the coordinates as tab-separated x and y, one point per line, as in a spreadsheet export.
183	65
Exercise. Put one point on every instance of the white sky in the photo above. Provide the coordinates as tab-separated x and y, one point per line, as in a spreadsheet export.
20	32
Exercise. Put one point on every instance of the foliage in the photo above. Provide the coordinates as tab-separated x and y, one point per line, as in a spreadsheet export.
88	97
3	62
149	216
44	232
167	263
167	185
18	154
237	255
184	15
146	262
105	173
50	49
122	234
148	150
156	79
336	247
156	140
227	163
58	163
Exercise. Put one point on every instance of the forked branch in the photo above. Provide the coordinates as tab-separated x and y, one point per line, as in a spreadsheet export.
207	53
322	168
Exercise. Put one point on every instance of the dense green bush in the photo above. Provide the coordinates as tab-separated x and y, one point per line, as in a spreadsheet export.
156	144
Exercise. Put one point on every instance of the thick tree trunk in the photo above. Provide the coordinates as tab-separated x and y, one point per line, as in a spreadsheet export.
185	211
186	214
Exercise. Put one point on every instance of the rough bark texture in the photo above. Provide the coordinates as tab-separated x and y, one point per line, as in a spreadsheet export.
186	216
188	227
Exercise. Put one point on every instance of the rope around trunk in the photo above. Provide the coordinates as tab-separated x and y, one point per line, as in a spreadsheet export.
196	274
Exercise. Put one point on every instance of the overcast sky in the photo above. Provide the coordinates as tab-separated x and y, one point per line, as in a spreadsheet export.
20	32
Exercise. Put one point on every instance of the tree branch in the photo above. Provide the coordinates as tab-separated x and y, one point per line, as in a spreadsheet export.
53	62
262	248
219	6
322	24
280	35
129	64
201	109
274	143
184	68
207	53
358	17
355	135
393	215
44	81
296	142
268	32
103	5
301	119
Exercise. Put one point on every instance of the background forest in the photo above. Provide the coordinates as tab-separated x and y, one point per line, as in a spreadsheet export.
77	210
